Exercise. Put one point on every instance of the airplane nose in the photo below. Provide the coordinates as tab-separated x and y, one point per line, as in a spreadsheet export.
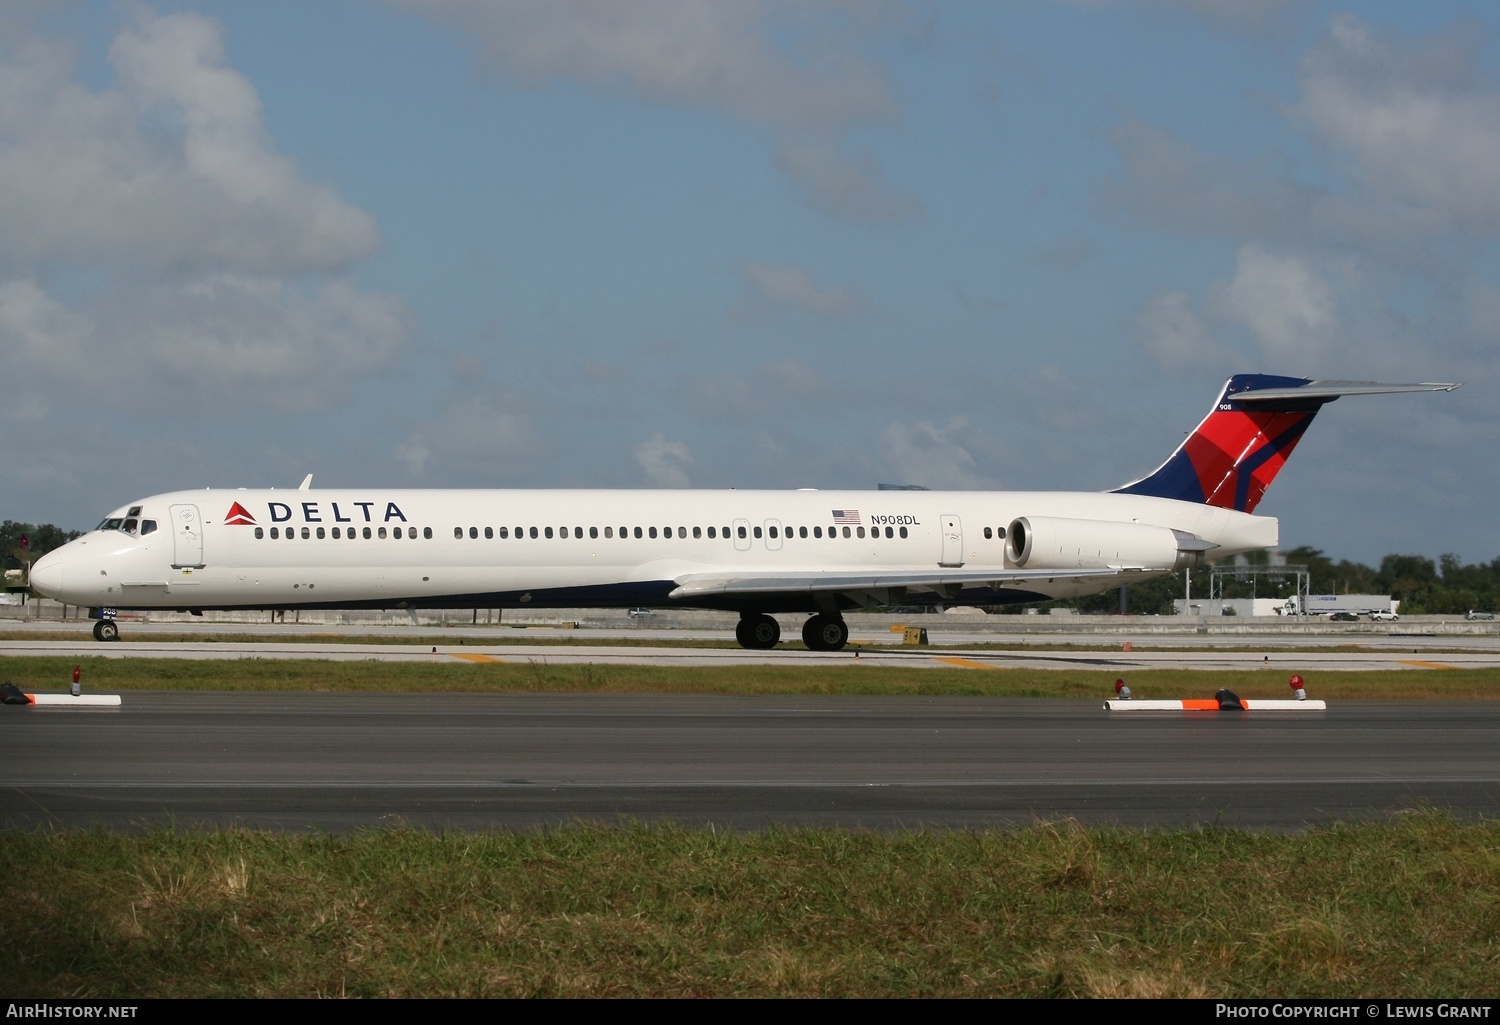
47	575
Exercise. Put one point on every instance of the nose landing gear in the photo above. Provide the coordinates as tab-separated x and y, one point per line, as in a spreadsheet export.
106	630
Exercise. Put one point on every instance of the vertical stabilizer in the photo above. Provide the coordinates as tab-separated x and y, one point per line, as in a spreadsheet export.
1233	455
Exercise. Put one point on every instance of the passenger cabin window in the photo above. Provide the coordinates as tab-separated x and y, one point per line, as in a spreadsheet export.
489	533
320	533
427	532
366	533
260	532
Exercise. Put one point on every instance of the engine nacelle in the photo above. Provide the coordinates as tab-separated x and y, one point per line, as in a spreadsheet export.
1053	542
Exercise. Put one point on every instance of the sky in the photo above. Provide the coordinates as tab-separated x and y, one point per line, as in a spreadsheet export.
747	243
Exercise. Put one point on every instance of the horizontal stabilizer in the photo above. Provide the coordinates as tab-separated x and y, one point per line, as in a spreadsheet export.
1331	390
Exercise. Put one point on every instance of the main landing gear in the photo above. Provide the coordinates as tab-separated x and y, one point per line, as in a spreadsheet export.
106	630
825	633
760	632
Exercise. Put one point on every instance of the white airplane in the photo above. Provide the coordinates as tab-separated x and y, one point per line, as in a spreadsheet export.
752	552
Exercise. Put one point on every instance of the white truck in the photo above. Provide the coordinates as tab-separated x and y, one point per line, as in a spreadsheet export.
1326	604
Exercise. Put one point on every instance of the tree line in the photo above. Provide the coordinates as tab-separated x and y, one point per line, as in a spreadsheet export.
40	539
1446	586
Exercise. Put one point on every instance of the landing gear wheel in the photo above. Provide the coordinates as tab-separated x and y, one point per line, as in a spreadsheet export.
825	633
106	630
757	632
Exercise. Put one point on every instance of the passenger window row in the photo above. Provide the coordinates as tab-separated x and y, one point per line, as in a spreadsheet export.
503	533
395	533
712	533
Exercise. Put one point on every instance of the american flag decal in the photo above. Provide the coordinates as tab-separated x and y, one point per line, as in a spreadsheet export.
850	516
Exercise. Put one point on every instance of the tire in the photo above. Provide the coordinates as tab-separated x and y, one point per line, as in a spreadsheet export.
106	630
825	633
758	633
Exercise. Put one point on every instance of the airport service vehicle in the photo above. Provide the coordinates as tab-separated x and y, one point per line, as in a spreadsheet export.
1328	604
752	552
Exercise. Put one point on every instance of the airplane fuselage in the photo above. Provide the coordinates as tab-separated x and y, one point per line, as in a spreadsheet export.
285	549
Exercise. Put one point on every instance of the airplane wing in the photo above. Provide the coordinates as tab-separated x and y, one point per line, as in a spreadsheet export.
693	585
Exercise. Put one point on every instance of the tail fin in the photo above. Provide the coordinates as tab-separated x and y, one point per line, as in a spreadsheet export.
1233	455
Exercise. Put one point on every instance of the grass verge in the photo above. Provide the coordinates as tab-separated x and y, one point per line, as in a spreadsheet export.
1406	910
445	674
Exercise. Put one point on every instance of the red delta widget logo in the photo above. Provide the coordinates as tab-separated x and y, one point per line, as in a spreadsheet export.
313	512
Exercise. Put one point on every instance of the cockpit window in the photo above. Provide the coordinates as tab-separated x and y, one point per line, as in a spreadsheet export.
130	526
148	527
135	510
110	524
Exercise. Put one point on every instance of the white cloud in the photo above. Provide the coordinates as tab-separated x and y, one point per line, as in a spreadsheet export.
935	457
156	251
664	462
771	287
1421	126
773	388
797	70
1254	17
169	168
1175	337
215	342
686	53
1287	305
1413	130
843	186
474	437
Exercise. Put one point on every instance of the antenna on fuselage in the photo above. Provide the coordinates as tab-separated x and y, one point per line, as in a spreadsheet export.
306	483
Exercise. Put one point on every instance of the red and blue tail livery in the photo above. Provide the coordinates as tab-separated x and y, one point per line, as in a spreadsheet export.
1231	458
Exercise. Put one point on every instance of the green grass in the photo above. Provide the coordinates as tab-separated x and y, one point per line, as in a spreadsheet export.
1408	910
444	674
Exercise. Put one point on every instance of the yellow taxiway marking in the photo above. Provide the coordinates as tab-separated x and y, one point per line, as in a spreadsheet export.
1424	665
966	663
475	658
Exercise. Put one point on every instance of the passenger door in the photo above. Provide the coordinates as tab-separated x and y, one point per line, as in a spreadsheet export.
187	537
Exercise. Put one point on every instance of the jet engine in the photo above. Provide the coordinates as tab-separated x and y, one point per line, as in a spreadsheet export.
1054	542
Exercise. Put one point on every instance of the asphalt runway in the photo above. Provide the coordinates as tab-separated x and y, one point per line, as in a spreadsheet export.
334	762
